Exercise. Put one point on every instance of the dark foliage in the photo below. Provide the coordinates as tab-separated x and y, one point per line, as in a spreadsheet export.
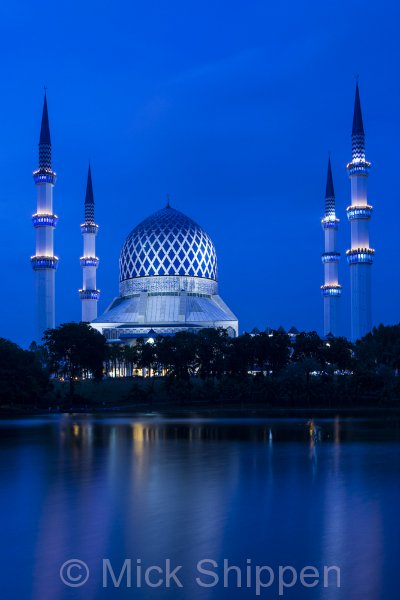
269	368
22	378
74	350
273	369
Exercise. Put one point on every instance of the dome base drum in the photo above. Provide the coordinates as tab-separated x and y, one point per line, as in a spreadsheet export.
168	284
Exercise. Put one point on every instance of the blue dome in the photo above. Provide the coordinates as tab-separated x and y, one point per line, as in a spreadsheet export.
168	243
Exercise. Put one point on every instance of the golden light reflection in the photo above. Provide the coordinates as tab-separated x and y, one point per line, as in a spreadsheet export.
138	432
139	436
312	430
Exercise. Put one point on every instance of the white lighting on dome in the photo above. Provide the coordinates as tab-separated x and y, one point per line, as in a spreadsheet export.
168	243
168	282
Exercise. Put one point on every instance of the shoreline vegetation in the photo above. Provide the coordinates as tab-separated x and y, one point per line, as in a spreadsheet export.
259	374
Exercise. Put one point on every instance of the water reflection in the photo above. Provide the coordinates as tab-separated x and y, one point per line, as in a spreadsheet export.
277	492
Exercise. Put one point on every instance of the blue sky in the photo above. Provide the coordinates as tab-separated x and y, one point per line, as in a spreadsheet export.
230	107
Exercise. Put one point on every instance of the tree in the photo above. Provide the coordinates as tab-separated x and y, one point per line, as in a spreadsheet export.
146	355
115	354
22	378
338	353
178	354
272	351
75	349
131	358
40	352
241	355
380	347
309	345
212	347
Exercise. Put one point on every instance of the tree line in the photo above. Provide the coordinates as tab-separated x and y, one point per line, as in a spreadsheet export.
269	367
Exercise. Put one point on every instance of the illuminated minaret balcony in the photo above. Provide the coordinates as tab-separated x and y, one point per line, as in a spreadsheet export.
359	212
358	166
89	295
330	257
44	220
360	255
330	222
89	228
40	263
42	175
89	261
334	290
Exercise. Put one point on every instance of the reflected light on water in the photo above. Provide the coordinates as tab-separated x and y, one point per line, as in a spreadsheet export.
189	489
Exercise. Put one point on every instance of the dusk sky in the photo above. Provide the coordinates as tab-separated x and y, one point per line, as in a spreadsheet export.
231	108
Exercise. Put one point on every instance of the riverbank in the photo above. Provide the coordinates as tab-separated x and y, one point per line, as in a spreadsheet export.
206	410
251	396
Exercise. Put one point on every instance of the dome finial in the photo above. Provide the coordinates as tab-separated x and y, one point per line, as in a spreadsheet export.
168	205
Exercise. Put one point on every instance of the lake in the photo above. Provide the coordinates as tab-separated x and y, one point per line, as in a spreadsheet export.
212	508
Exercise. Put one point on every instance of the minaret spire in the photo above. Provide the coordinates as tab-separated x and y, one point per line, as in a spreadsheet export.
331	290
45	127
360	255
45	139
44	263
89	294
358	125
357	134
89	199
329	192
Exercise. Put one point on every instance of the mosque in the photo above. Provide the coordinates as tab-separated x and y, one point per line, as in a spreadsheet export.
168	276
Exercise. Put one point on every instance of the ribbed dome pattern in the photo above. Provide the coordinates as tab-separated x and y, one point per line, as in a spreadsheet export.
168	243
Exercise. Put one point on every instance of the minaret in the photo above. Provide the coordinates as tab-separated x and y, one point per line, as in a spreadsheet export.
89	294
331	290
44	263
360	255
